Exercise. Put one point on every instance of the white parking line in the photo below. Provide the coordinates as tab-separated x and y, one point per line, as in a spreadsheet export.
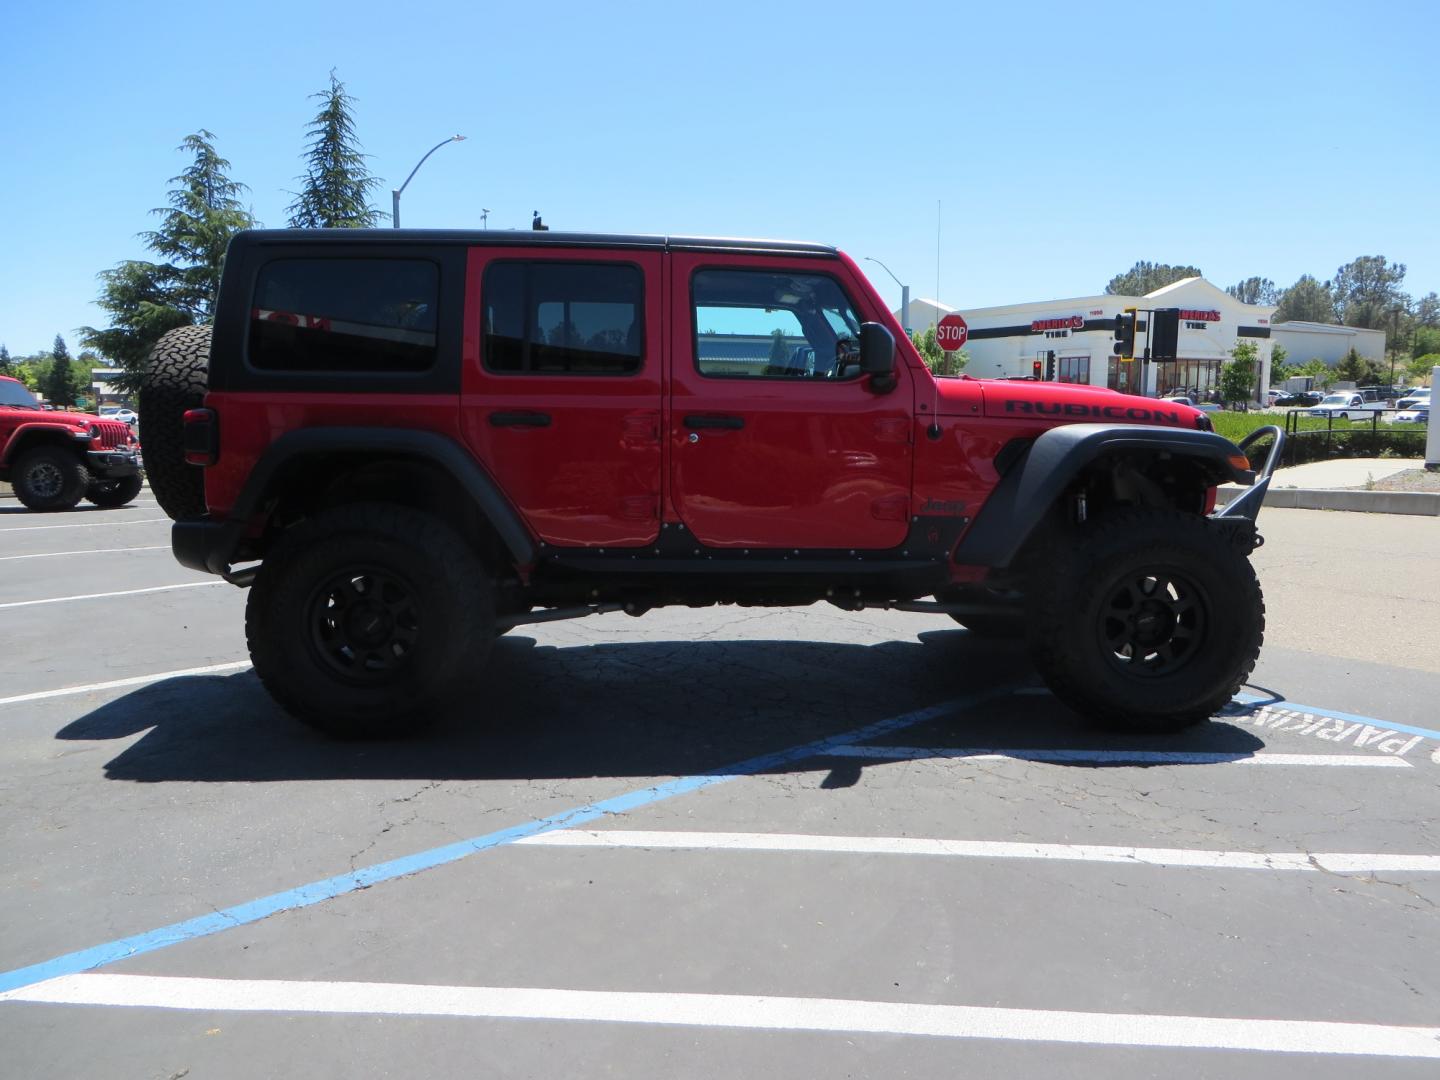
1118	757
104	595
1331	862
116	684
85	551
737	1011
87	525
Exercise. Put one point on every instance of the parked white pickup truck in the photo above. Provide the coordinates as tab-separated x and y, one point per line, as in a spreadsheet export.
1350	404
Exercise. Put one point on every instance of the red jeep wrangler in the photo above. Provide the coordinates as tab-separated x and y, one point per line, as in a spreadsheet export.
55	459
414	441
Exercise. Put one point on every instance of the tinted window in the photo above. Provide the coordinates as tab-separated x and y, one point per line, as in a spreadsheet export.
751	324
345	315
14	393
563	318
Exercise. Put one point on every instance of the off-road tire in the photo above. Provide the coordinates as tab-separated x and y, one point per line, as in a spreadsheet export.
49	478
410	577
1188	644
113	493
174	380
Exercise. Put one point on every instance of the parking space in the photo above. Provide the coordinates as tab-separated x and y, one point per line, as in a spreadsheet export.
719	842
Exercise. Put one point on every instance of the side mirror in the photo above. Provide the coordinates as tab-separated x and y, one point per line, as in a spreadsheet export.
877	356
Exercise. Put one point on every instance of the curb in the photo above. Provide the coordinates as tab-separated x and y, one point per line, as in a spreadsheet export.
1421	503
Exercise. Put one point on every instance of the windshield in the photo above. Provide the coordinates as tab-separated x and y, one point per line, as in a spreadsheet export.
16	396
1338	399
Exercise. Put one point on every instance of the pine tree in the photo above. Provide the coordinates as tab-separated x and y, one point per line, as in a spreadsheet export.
61	388
337	184
146	299
6	368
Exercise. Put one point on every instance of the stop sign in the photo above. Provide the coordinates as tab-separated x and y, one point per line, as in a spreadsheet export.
952	332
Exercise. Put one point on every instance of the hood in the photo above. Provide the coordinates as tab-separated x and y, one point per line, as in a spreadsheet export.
1067	403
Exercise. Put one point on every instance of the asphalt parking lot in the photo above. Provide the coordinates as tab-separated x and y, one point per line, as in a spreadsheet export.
725	842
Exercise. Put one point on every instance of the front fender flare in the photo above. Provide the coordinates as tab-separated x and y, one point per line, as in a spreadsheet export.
1031	486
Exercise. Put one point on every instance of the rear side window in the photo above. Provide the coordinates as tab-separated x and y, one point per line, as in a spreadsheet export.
361	315
551	318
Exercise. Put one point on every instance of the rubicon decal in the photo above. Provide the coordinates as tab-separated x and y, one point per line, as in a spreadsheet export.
1134	413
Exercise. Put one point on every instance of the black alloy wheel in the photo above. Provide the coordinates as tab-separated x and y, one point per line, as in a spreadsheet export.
1152	623
364	624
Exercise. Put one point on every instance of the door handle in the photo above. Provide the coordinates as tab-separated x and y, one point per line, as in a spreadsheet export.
519	419
734	422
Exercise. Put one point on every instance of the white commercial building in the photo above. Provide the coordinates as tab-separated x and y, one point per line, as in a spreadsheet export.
1072	339
1304	341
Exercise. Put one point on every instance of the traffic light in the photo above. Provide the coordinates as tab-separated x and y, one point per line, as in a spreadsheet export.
1164	333
1125	334
1035	370
1050	366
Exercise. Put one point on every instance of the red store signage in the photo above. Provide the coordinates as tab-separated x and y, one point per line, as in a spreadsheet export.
1069	322
1199	316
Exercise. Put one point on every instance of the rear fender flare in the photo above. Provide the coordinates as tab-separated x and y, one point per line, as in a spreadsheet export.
428	446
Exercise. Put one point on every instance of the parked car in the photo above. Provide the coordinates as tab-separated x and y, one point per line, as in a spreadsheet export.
1349	404
53	459
1420	414
391	541
1380	393
1418	397
118	412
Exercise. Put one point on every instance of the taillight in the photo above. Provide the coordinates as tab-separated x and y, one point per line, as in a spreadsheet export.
201	438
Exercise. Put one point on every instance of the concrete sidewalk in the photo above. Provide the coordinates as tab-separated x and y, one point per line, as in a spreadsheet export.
1344	484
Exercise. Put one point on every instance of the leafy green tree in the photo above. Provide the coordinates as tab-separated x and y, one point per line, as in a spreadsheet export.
1368	291
1146	277
6	368
1357	369
1279	369
1317	369
60	386
1307	300
1427	311
1420	368
338	186
1255	290
145	299
1237	376
1426	340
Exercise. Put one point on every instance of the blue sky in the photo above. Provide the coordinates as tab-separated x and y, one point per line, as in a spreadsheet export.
1259	138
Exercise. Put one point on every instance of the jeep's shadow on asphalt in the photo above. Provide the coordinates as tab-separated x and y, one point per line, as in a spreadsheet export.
642	708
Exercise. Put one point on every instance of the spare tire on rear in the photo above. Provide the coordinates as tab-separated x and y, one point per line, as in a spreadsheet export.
173	381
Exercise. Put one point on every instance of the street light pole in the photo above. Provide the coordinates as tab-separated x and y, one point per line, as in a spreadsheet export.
395	194
904	293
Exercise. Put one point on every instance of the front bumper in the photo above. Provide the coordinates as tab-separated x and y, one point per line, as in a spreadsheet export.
113	464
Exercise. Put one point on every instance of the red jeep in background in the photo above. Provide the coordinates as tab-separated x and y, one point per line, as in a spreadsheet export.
414	441
55	459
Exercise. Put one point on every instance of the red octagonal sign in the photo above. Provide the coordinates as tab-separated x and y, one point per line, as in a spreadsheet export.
953	332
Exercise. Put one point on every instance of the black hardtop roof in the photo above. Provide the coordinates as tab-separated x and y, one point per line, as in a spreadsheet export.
528	238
